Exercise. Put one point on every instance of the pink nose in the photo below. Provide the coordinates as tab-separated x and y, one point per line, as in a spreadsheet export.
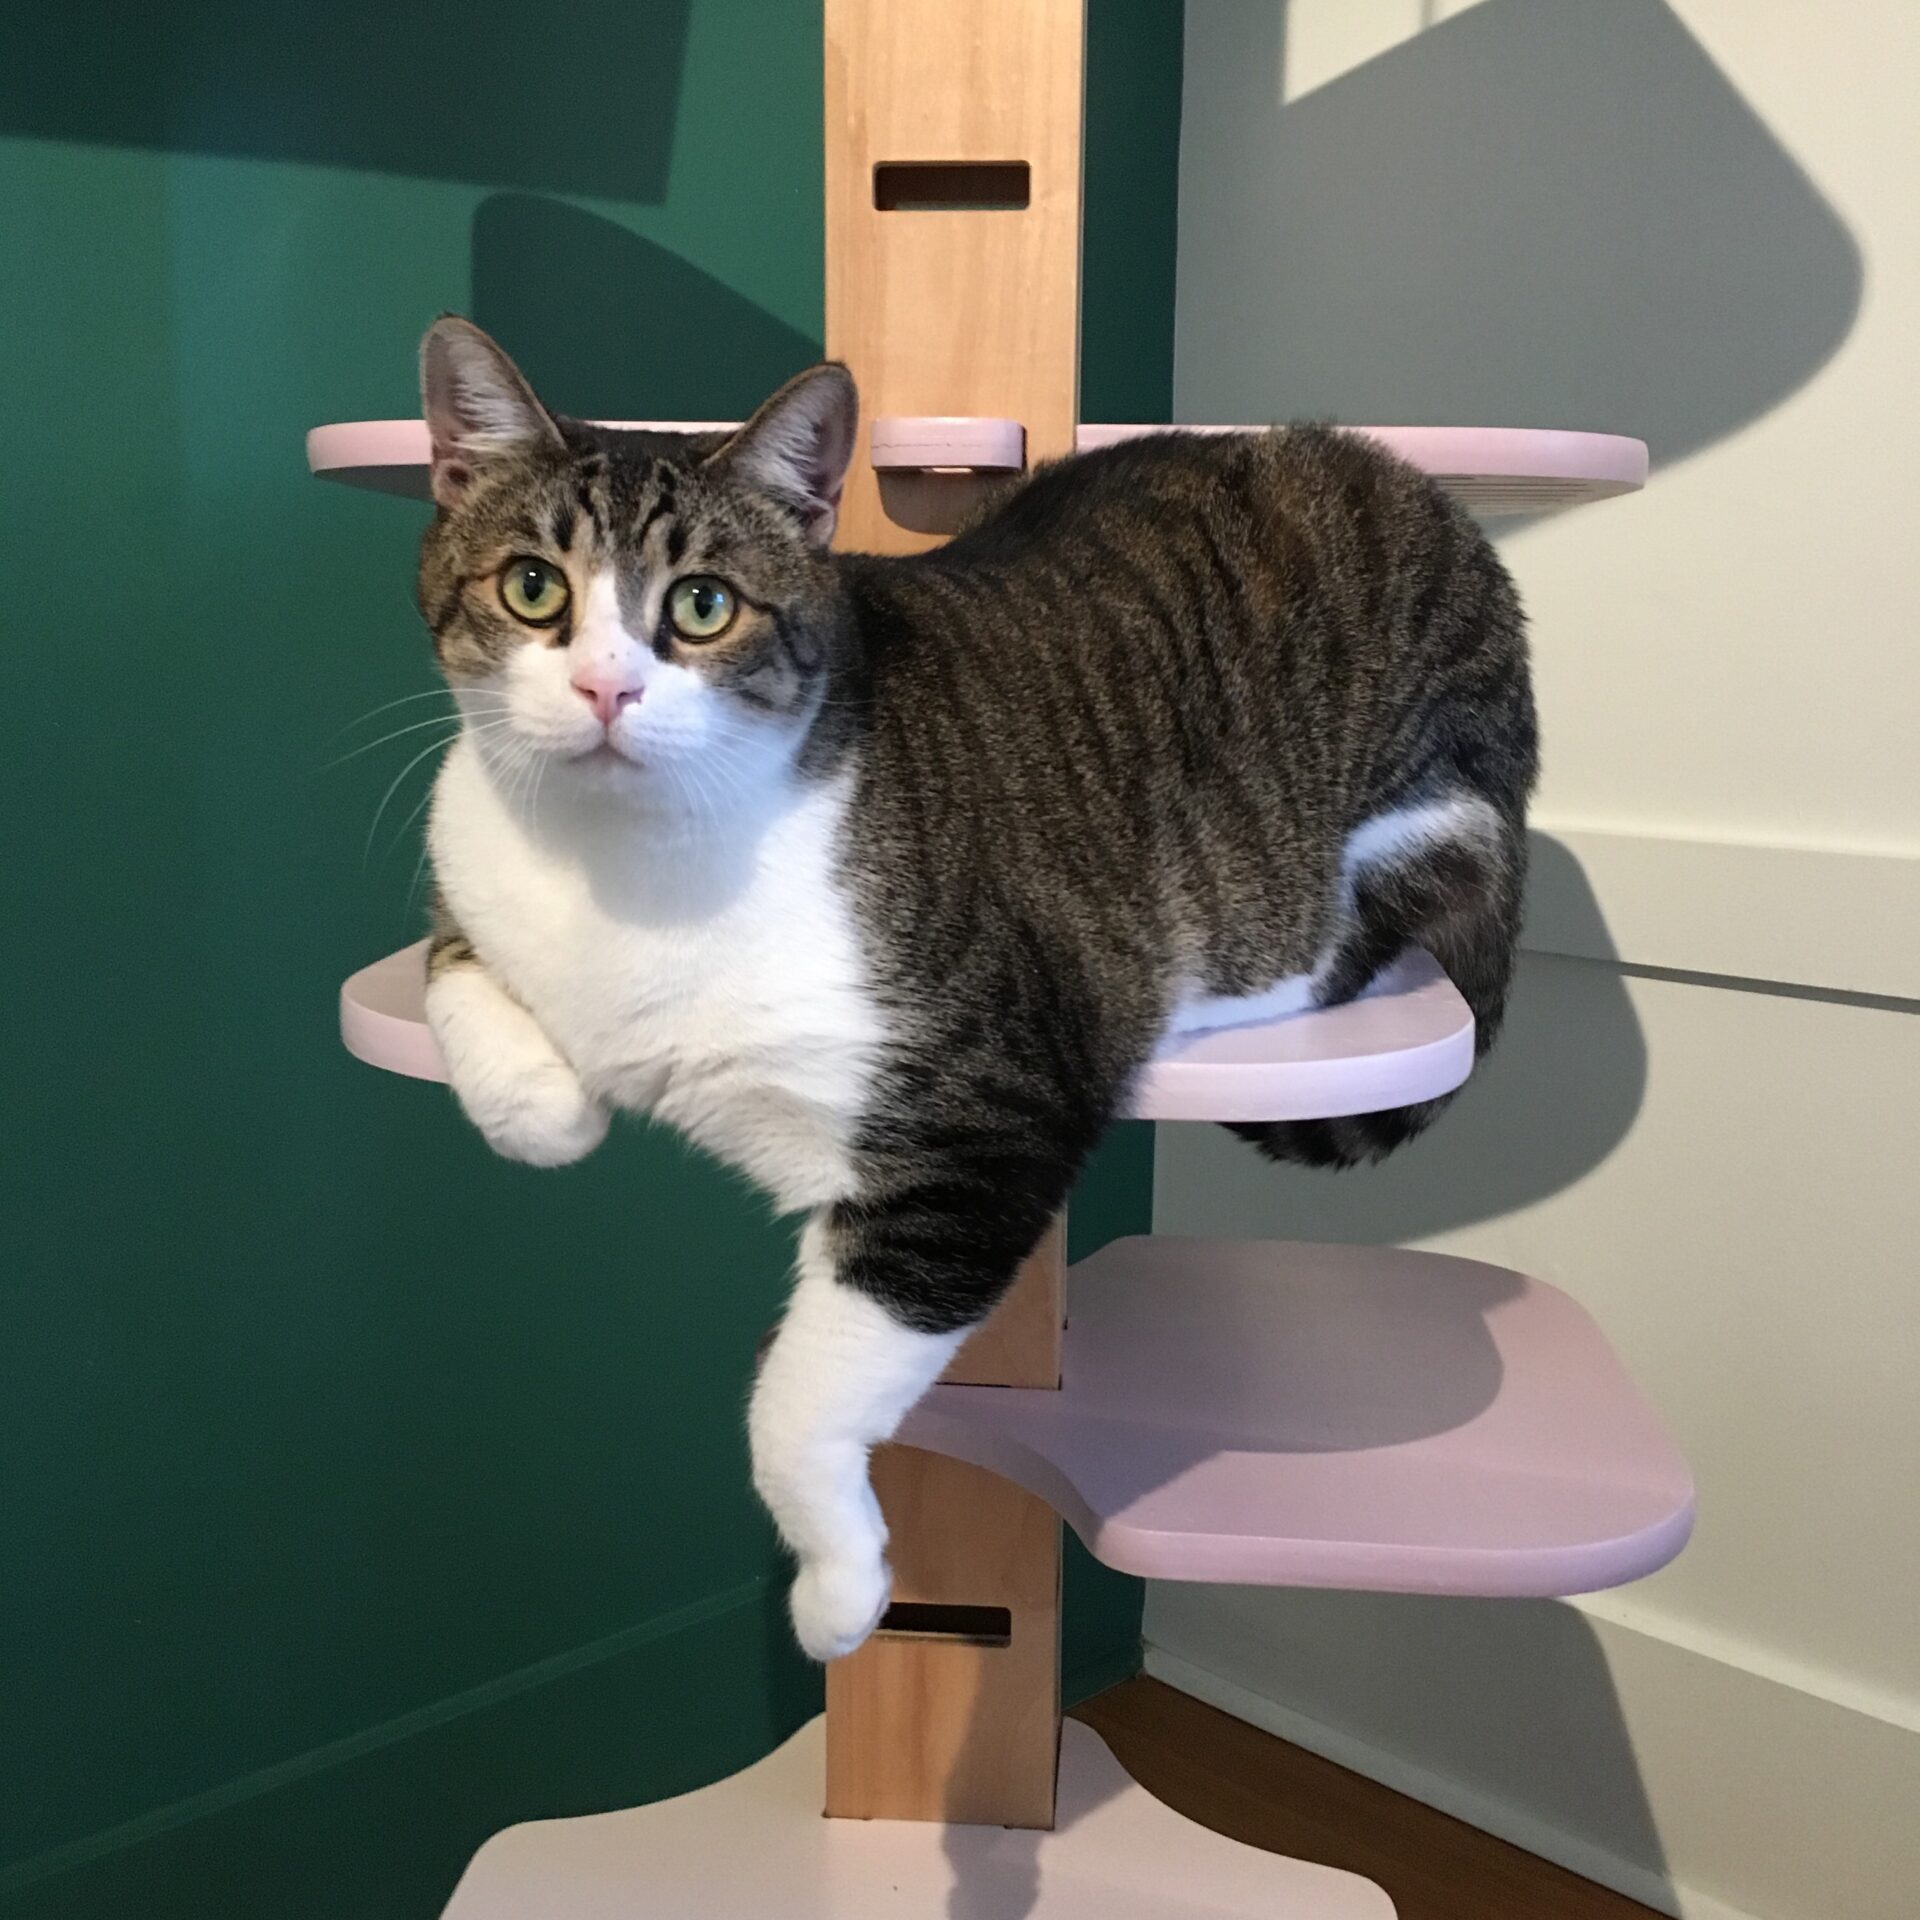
606	691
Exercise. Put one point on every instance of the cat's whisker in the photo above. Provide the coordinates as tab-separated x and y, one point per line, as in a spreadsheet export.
373	713
366	852
399	733
419	807
413	886
533	799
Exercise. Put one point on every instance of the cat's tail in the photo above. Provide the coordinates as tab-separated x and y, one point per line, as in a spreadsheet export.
1449	877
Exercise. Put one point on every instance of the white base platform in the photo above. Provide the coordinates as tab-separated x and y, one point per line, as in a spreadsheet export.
755	1847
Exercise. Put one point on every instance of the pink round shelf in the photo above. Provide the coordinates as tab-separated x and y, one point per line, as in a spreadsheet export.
1331	1416
1409	1037
1490	469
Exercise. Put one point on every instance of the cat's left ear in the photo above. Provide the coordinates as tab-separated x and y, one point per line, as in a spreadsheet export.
477	403
798	445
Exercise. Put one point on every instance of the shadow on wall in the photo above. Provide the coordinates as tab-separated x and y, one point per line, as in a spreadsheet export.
613	326
1531	214
1558	1093
1429	1681
360	83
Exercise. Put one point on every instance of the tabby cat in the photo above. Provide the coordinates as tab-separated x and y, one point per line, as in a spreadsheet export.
882	878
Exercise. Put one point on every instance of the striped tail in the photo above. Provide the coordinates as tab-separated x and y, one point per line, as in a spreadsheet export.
1459	897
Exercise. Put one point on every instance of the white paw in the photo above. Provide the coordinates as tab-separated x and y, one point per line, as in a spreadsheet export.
543	1116
508	1076
837	1603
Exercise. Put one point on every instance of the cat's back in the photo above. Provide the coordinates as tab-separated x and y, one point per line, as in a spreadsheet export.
1304	577
1160	685
1237	540
1256	492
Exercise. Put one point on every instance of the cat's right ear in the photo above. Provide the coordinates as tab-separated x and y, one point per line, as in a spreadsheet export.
477	403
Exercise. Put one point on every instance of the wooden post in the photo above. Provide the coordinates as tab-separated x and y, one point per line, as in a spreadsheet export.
952	1710
953	150
941	307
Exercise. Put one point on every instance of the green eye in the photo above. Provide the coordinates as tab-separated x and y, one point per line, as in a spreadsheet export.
535	591
700	607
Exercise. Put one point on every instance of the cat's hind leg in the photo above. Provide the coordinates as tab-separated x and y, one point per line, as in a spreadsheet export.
508	1076
841	1373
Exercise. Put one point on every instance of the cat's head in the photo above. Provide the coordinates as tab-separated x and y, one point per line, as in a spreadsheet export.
647	613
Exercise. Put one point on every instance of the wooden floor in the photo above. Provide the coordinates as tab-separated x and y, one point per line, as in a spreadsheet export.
1246	1784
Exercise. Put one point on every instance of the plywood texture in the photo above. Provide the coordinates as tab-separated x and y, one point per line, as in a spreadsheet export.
962	311
921	1729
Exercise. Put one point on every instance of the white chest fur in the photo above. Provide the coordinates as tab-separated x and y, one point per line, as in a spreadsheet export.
709	975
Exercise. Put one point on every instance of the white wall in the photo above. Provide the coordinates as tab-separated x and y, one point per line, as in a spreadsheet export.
1696	223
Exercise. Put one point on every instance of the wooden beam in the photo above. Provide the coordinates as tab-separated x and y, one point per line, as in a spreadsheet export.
945	308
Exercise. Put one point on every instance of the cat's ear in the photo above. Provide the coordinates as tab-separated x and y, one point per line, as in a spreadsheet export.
798	445
477	403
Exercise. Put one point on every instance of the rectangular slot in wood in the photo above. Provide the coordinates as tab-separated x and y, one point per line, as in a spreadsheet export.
931	1620
951	186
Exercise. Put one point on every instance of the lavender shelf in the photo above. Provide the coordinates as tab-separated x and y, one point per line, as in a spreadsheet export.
1490	469
754	1845
1274	1414
1409	1037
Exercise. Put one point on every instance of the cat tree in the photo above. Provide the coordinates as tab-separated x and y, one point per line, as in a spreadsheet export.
1260	1413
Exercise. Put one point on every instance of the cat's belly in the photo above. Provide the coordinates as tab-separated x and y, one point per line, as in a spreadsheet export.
737	1013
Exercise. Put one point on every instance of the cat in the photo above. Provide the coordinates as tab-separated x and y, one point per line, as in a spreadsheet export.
881	878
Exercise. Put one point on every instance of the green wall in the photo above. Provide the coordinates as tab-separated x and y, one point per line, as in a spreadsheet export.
359	1492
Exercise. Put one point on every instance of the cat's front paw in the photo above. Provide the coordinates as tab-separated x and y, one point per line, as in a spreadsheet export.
836	1604
544	1117
508	1076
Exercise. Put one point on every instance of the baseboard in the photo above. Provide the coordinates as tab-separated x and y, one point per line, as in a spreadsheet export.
1436	1790
378	1825
1741	1794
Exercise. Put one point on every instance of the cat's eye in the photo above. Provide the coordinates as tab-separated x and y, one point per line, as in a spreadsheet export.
535	591
700	607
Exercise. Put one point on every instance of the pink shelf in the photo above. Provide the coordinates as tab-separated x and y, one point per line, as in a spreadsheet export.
390	456
383	1016
1491	469
1317	1416
947	444
1410	1037
754	1847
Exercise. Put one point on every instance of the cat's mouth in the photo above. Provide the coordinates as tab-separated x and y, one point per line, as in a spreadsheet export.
606	756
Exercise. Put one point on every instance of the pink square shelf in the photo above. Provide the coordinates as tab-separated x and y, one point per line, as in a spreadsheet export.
1276	1414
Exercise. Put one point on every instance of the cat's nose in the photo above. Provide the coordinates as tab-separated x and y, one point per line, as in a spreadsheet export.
606	690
